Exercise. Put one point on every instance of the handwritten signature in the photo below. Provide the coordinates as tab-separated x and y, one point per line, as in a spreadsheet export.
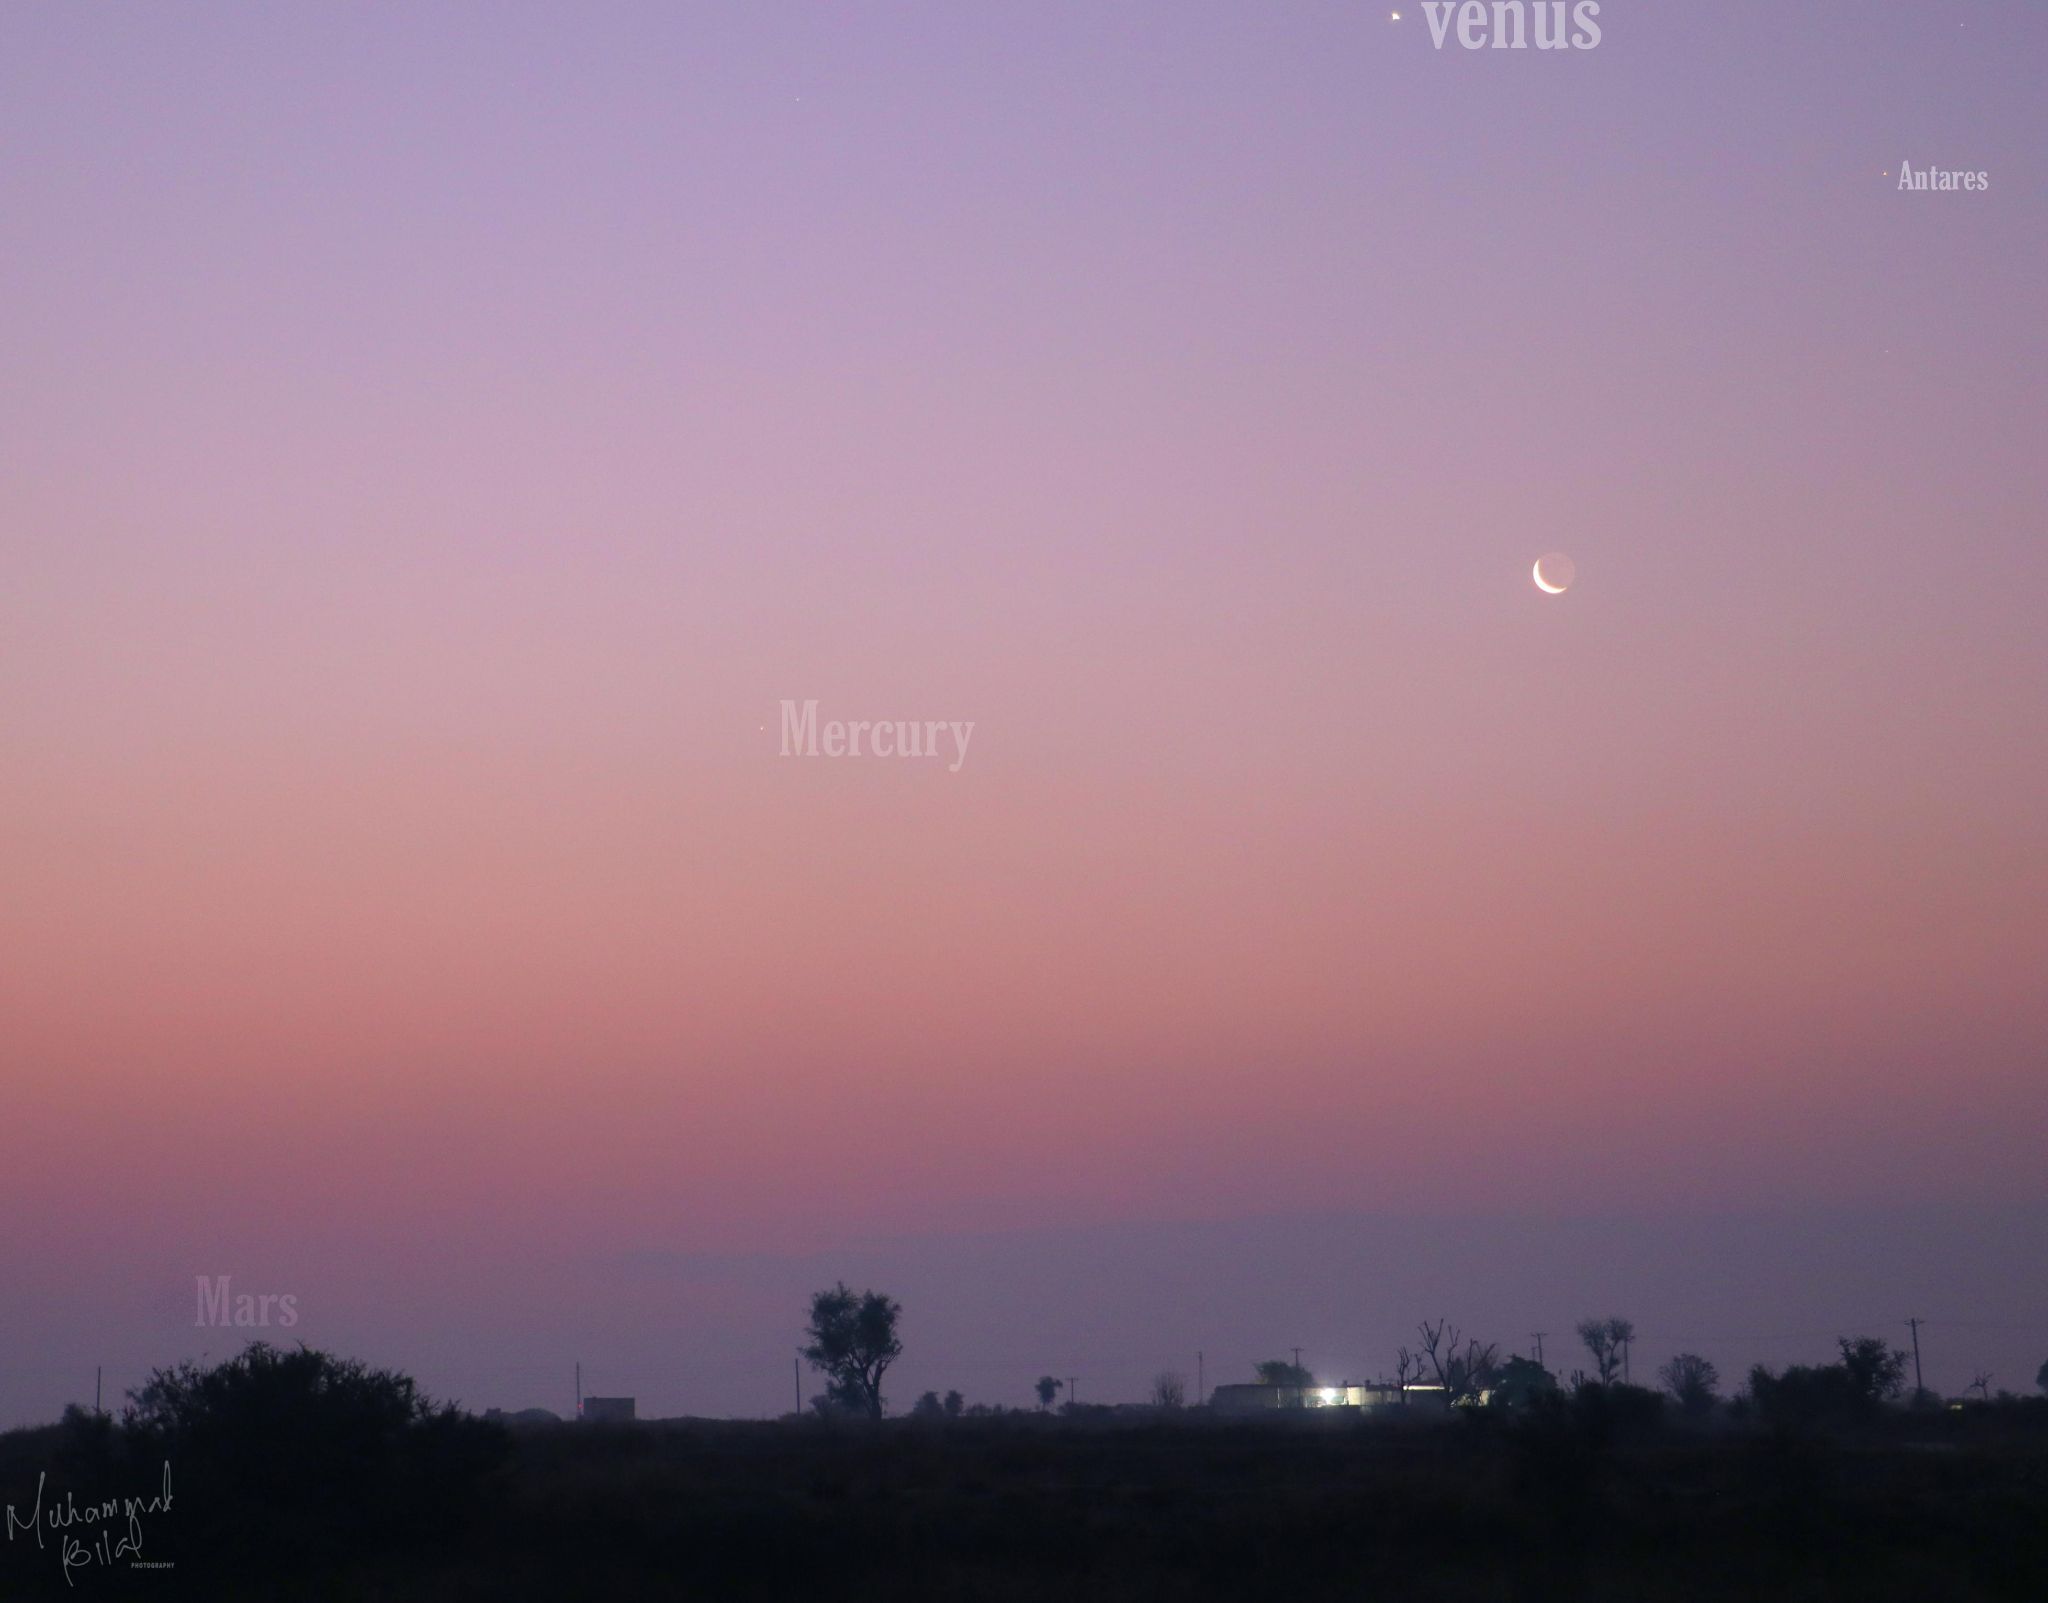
96	1533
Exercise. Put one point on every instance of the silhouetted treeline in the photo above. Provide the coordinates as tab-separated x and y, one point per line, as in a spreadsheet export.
279	1463
299	1475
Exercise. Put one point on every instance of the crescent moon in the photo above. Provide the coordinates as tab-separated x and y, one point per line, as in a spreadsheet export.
1547	588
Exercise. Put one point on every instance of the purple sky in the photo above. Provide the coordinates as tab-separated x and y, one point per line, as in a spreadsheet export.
433	441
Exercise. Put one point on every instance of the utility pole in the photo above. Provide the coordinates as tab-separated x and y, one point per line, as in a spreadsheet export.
1917	1386
1297	1358
1539	1335
1071	1398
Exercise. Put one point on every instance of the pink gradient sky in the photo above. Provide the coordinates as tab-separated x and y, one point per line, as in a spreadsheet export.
431	443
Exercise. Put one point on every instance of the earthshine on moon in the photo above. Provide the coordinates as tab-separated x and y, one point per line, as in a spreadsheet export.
1554	573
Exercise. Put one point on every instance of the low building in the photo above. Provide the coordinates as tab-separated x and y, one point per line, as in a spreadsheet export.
1269	1399
1253	1399
608	1410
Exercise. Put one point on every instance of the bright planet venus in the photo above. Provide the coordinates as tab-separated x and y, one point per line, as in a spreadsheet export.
1554	573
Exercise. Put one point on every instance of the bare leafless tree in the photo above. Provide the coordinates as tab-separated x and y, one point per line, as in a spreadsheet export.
1475	1369
1463	1371
1692	1380
1439	1344
1169	1390
1608	1341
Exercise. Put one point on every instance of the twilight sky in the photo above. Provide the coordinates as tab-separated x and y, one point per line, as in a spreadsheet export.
434	440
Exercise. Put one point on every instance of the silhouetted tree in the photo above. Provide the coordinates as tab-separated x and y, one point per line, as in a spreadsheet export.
1607	1340
1876	1371
1615	1412
1692	1380
1047	1389
955	1404
1462	1372
1845	1393
2041	1377
853	1340
928	1406
1980	1383
1279	1372
264	1382
92	1449
307	1453
1434	1338
1522	1383
1169	1390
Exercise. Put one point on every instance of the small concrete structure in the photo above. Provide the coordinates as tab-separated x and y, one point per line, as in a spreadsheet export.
1268	1399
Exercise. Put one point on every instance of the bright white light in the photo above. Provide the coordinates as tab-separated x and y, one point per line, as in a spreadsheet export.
1332	1395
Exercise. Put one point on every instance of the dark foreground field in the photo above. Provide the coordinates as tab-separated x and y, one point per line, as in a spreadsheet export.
1924	1509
